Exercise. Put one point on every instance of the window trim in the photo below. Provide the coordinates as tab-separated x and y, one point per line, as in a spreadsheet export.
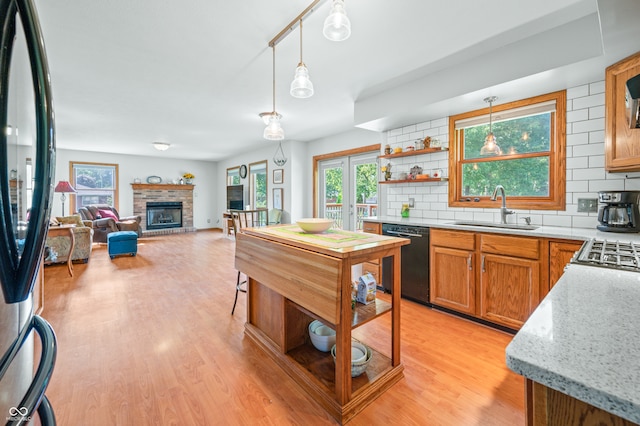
557	158
72	180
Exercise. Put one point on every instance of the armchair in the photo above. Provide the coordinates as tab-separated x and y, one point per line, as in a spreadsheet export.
59	246
105	219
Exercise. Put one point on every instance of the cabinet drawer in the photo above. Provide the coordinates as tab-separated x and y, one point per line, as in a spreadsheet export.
458	239
528	248
372	227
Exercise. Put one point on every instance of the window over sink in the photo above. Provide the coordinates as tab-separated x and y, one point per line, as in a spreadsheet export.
530	162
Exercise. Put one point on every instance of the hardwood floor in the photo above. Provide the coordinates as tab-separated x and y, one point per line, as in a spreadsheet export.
149	340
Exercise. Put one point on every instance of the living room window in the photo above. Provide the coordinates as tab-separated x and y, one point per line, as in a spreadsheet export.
530	160
95	183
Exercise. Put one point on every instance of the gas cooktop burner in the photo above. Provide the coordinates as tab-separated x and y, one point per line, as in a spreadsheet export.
609	254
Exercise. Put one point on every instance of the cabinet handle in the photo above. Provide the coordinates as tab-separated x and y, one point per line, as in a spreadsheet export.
469	264
483	268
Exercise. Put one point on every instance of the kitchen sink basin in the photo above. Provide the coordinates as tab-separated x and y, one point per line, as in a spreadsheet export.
495	225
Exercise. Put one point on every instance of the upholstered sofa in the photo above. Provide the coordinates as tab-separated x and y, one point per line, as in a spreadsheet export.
106	219
57	248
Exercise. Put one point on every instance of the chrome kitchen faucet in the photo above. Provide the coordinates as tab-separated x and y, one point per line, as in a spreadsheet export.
503	210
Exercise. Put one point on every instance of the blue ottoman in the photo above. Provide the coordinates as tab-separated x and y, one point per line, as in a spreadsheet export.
122	242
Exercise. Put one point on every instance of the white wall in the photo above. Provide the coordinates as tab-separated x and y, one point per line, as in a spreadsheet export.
292	150
205	194
585	168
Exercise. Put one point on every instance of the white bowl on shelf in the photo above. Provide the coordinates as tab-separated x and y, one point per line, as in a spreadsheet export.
314	225
322	337
360	357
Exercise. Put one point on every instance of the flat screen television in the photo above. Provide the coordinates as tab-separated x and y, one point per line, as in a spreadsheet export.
235	197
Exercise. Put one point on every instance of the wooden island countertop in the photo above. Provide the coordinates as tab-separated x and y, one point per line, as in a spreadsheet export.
294	278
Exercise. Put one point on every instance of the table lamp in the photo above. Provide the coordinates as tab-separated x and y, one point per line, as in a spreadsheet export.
64	186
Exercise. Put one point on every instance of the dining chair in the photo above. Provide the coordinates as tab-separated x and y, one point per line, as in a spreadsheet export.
242	219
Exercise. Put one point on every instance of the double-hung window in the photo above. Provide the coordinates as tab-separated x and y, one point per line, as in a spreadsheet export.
95	183
528	158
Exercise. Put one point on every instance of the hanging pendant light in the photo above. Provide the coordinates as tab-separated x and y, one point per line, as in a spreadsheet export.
337	26
274	131
279	157
301	86
490	146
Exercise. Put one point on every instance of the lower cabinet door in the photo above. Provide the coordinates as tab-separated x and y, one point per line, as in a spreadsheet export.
452	279
509	290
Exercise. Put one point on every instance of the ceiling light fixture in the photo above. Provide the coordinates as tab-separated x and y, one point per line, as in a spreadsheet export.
279	157
274	131
490	146
337	26
301	86
161	146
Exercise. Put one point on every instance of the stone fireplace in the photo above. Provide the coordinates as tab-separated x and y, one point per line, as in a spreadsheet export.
167	194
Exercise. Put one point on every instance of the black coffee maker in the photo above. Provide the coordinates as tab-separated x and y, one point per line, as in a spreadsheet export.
619	211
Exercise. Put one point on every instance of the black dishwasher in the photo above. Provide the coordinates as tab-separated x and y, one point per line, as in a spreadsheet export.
414	277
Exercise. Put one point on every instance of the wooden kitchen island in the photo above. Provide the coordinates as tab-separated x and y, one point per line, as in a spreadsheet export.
294	278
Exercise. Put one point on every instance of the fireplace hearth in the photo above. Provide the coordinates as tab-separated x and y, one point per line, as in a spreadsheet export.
162	215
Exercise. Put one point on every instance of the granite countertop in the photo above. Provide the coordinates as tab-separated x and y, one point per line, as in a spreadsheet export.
584	340
542	231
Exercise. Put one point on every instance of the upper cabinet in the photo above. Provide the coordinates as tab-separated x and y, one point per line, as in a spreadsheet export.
622	143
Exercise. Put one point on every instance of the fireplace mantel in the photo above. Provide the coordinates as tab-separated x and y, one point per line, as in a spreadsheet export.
160	186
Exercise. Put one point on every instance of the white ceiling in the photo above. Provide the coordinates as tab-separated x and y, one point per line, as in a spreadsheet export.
197	73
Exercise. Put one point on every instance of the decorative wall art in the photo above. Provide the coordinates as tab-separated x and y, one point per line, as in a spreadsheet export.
277	198
278	176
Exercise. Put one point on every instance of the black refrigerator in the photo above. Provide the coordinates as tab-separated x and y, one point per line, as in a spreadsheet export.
27	162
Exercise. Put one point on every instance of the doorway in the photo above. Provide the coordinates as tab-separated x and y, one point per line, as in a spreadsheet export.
348	189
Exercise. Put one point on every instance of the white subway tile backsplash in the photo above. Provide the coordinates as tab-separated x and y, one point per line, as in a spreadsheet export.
596	161
577	115
590	149
596	136
588	125
606	185
578	92
409	129
584	159
577	163
597	87
596	112
588	174
588	101
578	139
555	220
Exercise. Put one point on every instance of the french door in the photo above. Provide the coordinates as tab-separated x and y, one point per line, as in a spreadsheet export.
348	190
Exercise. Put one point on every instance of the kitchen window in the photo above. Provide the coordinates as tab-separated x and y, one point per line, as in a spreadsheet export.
530	161
95	183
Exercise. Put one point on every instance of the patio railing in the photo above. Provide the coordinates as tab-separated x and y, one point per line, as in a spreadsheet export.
334	211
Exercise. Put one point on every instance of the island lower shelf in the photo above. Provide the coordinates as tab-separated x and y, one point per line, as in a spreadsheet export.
314	370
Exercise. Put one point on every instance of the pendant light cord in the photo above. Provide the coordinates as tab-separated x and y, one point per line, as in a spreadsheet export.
274	78
490	109
301	42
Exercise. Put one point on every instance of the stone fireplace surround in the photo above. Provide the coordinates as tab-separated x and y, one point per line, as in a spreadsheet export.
145	192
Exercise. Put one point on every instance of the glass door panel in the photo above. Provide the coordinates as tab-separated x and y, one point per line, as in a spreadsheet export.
348	190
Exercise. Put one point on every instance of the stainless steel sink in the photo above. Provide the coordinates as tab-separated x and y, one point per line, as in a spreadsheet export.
495	225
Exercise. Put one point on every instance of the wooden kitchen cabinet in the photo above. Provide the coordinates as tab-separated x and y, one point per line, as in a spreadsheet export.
622	144
560	253
493	277
509	279
452	278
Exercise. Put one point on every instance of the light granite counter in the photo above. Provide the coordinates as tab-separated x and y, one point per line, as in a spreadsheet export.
542	231
584	340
